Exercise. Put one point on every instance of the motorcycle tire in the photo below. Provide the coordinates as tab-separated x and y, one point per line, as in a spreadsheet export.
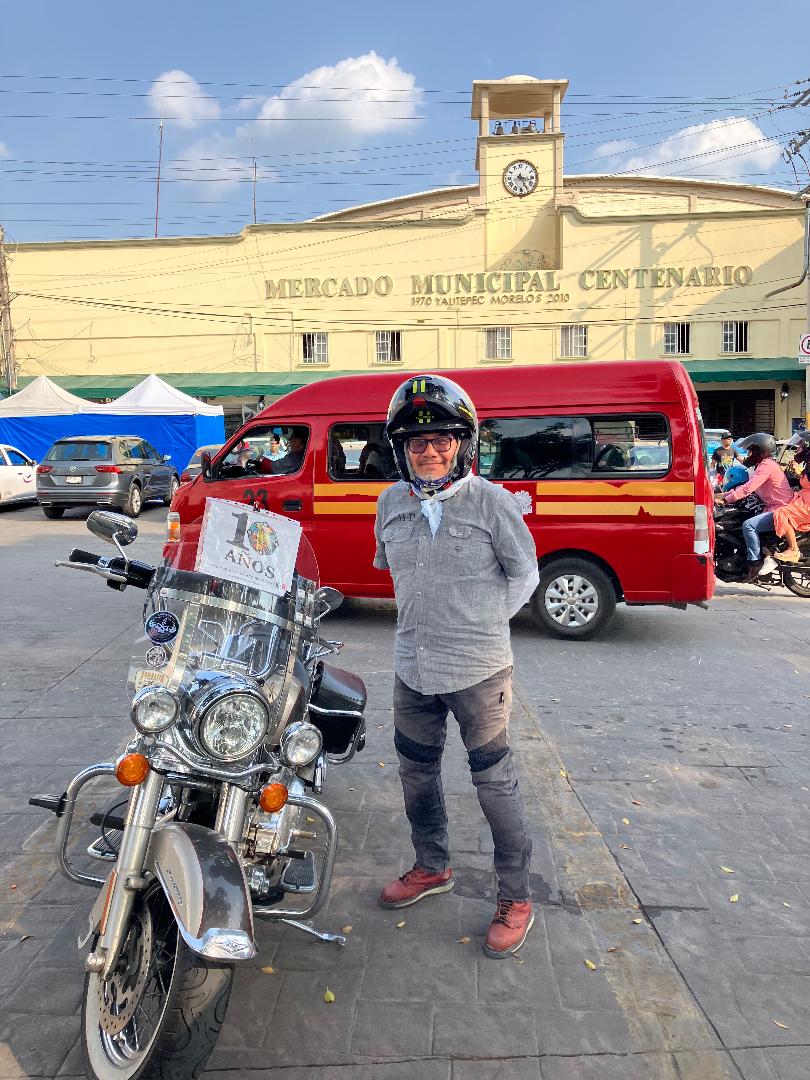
188	1019
797	581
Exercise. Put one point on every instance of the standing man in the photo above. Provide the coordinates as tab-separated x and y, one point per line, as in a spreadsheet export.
463	562
726	453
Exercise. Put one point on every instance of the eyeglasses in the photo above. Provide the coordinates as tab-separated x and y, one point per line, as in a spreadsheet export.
441	444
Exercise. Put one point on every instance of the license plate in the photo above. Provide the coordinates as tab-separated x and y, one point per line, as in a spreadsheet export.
73	479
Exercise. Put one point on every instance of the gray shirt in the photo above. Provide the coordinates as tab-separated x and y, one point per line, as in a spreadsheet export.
452	625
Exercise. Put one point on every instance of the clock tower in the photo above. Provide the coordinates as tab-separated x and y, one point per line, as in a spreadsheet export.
519	158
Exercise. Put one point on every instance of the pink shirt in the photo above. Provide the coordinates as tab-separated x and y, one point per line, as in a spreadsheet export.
769	482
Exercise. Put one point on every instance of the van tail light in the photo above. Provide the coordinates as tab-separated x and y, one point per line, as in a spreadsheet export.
701	531
185	476
172	527
108	468
42	470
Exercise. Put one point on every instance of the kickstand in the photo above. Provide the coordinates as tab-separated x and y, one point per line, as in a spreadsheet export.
321	935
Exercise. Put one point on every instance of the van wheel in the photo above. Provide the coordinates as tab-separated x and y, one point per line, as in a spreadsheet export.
574	599
132	507
53	512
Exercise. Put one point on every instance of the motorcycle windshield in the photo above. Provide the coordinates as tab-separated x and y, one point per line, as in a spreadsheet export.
233	596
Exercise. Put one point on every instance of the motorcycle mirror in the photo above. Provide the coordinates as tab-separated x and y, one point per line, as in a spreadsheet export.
205	465
114	528
328	599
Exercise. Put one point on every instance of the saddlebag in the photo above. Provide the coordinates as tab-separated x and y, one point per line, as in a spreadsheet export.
339	698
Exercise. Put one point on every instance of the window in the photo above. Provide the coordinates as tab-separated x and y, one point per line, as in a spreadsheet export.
574	340
16	458
556	447
79	451
676	338
314	348
499	343
735	337
389	346
361	452
266	451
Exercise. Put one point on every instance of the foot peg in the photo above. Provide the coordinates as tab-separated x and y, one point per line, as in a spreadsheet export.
299	875
107	847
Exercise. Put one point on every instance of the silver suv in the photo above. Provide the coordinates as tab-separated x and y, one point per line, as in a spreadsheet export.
122	471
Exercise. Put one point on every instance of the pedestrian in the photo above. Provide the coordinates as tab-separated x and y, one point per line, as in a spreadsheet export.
463	562
726	454
795	517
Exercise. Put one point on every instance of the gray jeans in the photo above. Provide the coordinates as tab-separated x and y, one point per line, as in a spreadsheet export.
420	729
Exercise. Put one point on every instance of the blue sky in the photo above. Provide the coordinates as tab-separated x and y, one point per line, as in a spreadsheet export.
341	104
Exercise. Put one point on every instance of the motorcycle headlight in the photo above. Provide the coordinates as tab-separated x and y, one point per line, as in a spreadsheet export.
154	708
300	744
233	726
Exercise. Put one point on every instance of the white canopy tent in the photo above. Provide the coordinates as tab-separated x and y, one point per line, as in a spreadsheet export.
44	398
154	396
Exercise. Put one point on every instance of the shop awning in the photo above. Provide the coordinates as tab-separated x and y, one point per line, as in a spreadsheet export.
730	369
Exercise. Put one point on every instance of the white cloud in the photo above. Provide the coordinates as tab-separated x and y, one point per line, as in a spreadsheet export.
722	148
615	148
5	150
330	108
175	95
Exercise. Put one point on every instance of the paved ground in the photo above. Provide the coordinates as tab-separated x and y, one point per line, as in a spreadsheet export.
650	761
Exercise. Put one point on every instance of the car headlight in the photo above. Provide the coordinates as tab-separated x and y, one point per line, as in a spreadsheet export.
300	744
233	726
154	708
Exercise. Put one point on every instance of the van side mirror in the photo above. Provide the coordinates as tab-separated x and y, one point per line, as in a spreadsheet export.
205	465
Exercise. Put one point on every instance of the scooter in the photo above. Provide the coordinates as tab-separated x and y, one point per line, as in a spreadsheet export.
730	561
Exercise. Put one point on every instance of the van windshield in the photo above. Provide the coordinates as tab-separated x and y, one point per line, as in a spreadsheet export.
268	450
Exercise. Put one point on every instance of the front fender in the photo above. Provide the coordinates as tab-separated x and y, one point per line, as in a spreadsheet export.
205	885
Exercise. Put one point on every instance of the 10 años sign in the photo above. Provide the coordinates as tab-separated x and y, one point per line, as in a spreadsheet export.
252	547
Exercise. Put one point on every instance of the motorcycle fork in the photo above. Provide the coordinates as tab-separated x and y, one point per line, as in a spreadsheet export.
129	879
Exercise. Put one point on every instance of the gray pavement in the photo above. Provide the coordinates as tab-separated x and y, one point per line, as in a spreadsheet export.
649	761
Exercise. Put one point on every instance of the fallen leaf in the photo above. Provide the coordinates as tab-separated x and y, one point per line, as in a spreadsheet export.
25	937
351	789
563	773
380	727
310	821
726	869
464	941
636	802
328	996
268	970
637	921
733	899
381	764
625	821
785	903
519	960
779	1024
347	930
400	924
613	948
590	965
624	846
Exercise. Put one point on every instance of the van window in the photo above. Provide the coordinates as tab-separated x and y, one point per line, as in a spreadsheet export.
361	452
558	447
271	450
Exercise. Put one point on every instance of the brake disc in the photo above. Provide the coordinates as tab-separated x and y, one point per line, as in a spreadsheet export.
120	995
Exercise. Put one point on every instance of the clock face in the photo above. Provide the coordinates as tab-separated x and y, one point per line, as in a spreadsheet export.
520	178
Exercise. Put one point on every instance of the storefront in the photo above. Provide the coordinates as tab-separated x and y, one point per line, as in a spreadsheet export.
528	266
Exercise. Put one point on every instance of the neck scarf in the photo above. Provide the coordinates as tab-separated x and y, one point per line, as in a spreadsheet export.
431	505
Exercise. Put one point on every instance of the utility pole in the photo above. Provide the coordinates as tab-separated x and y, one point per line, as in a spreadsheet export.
254	191
157	185
6	329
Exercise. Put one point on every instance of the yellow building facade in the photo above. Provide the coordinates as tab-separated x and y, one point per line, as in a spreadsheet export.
528	266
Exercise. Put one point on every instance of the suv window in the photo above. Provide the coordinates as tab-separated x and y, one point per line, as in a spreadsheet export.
132	451
149	452
556	447
361	452
271	450
79	451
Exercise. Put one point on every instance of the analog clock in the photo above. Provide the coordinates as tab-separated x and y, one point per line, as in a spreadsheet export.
520	178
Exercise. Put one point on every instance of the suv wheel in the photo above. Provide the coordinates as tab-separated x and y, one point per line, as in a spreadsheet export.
175	484
53	511
574	599
134	502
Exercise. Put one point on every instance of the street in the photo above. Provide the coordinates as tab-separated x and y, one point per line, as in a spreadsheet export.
666	773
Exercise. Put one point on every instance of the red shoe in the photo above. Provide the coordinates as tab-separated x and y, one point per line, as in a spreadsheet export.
414	886
507	932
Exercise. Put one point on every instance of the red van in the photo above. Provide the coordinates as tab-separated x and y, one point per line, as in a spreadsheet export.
607	461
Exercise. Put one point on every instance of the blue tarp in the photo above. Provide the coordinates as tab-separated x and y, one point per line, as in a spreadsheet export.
178	435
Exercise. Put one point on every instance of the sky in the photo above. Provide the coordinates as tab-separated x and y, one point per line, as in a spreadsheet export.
333	105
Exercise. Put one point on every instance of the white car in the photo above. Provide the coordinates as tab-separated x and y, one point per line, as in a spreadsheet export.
18	475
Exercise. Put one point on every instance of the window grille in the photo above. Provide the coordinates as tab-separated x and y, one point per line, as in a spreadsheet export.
676	338
389	346
314	348
735	337
574	340
499	343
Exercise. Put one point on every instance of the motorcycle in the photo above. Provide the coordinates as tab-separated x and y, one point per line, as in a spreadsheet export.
237	719
730	560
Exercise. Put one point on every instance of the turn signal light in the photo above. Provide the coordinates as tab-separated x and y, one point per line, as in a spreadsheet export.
272	797
131	769
172	527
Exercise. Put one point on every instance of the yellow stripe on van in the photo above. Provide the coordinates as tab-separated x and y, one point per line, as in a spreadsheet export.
639	488
338	490
592	508
324	507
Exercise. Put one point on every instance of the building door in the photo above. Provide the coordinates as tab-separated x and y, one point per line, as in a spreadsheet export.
741	411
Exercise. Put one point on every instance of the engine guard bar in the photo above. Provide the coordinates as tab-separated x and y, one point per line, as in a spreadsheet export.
65	821
341	759
325	876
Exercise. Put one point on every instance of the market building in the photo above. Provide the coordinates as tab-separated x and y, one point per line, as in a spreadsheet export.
528	266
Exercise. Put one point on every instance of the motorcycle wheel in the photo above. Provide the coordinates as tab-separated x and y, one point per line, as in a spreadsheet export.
798	581
162	1011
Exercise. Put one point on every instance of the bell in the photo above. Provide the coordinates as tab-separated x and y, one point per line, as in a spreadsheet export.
515	127
532	127
499	128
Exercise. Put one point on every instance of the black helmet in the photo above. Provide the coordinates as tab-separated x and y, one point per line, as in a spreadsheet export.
432	403
801	440
758	446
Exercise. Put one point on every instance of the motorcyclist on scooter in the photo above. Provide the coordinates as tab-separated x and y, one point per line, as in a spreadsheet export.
770	483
